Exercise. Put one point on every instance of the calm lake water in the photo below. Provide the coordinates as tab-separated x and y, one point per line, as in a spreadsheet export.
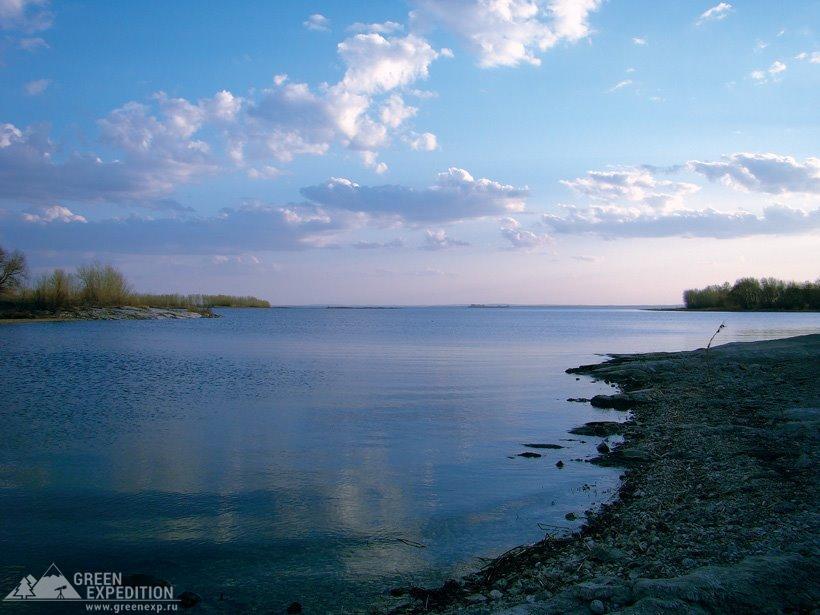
309	454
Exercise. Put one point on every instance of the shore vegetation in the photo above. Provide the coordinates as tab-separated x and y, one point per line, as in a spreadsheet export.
93	285
754	294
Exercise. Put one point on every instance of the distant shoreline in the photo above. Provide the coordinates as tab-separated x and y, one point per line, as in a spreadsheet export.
103	313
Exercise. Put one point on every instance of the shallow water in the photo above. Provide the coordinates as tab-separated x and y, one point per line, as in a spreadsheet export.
309	454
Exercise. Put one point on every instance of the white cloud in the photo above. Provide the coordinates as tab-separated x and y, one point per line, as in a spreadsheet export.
456	195
32	44
55	213
317	22
620	85
9	133
813	57
437	239
36	87
763	172
158	148
631	185
777	67
264	172
378	64
521	239
511	32
25	15
395	112
424	142
716	13
618	222
387	27
639	40
360	112
168	141
763	76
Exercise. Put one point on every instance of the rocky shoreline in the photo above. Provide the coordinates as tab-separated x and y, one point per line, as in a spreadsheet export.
717	511
106	313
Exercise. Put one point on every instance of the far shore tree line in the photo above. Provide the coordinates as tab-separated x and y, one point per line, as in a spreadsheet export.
93	285
754	294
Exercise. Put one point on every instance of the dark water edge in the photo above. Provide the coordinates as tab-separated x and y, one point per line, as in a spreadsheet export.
717	509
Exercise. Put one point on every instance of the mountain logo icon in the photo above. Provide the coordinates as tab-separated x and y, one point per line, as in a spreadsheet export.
51	586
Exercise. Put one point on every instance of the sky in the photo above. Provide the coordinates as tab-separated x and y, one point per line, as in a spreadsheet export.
414	152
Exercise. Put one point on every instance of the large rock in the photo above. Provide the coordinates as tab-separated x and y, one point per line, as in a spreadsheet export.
619	401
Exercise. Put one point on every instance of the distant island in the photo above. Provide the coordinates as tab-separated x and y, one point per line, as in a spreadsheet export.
747	294
96	292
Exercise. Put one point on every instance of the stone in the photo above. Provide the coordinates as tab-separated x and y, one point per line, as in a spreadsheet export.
597	607
476	598
602	448
495	595
188	600
529	455
618	401
600	429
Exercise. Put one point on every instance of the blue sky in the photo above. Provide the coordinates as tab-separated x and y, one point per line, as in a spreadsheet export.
528	151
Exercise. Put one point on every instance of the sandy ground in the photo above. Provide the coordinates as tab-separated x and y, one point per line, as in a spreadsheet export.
717	512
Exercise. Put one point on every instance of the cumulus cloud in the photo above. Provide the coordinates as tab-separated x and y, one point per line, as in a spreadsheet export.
32	172
618	222
437	239
360	111
511	32
521	239
424	142
54	214
317	22
716	13
252	227
379	64
632	185
167	141
158	145
456	195
36	87
639	40
763	172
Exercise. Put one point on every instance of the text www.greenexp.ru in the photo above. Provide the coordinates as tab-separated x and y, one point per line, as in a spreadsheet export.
131	607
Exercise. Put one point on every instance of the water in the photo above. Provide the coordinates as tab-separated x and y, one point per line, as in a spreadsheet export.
308	454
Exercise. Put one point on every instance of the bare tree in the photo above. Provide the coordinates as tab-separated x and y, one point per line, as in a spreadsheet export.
13	270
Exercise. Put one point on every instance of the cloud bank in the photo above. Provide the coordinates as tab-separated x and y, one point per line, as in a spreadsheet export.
618	223
456	195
